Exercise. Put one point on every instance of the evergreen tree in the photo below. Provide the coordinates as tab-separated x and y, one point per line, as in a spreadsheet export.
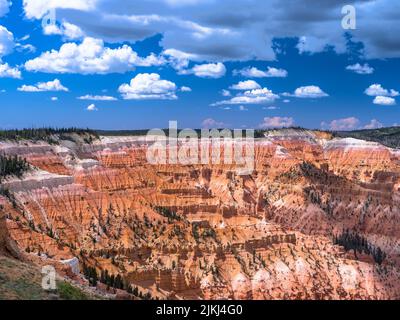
359	244
12	166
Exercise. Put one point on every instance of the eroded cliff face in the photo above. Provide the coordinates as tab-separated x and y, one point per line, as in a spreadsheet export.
204	231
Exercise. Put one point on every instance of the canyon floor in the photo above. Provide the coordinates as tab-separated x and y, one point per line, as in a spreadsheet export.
317	218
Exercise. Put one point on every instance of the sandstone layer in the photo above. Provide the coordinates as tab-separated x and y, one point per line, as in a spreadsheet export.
206	231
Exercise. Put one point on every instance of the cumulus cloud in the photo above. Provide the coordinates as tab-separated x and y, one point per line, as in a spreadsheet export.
246	85
54	85
97	98
211	30
186	89
211	123
54	98
252	72
92	107
374	124
68	30
6	41
179	60
7	45
209	70
90	57
9	72
4	7
384	101
147	86
308	92
256	96
377	90
52	29
277	122
344	124
39	8
361	69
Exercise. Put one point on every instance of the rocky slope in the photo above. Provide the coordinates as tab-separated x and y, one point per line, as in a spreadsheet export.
316	219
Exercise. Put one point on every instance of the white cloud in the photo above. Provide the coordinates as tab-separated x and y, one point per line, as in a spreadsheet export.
72	31
374	124
92	107
276	73
377	90
90	57
345	124
209	70
147	86
25	48
226	93
54	85
6	46
54	99
212	30
186	89
256	96
97	98
246	85
68	30
252	72
4	7
39	8
211	123
24	38
277	122
360	69
8	72
286	101
6	41
52	29
384	101
179	60
309	92
243	108
270	108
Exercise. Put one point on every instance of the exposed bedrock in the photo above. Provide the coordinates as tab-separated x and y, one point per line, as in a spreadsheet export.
206	231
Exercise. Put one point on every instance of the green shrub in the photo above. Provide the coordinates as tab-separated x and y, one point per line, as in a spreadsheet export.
68	292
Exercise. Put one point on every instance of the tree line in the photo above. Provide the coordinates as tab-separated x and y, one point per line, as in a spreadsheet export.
389	137
12	166
112	281
353	241
166	212
41	133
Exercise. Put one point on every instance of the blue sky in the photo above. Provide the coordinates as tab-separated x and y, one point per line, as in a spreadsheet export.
255	64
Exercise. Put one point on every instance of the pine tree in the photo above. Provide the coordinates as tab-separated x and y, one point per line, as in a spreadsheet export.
94	277
103	276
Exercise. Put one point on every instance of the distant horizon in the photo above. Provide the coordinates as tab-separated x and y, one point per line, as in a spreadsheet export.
196	129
